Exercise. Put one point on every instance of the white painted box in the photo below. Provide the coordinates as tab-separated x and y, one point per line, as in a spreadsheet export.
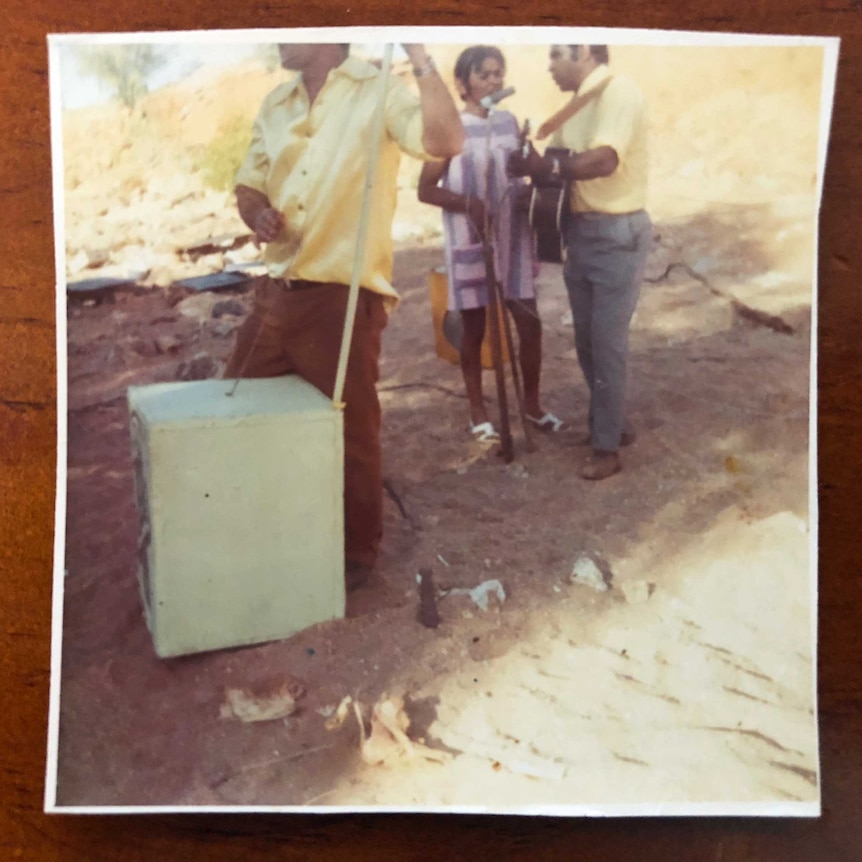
241	506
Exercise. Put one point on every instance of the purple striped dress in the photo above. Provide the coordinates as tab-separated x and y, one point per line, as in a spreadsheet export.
512	239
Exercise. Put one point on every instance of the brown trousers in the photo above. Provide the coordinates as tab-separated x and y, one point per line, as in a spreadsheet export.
297	330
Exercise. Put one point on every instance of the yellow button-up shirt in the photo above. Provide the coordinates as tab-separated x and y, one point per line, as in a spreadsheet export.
312	166
616	118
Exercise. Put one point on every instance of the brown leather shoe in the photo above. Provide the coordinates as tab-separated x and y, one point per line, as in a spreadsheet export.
601	466
356	574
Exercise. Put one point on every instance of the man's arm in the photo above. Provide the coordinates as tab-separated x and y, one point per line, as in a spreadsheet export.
588	165
257	212
443	134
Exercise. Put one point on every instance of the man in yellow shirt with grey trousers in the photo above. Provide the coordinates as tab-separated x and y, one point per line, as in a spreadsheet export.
608	232
300	190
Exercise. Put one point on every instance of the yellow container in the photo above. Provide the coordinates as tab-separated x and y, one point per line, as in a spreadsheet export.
448	347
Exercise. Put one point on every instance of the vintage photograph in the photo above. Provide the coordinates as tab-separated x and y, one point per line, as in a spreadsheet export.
440	421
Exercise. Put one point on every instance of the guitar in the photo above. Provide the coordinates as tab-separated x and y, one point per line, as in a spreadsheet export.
548	202
547	206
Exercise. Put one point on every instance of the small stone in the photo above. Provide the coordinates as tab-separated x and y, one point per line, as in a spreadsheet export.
636	592
488	593
517	471
197	306
588	574
168	343
228	306
77	263
201	366
250	706
224	328
145	347
97	257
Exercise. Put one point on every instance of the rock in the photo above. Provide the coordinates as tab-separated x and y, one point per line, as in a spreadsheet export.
245	254
77	263
168	343
266	705
517	470
144	347
213	244
201	366
636	592
198	307
97	257
228	306
484	594
224	328
588	574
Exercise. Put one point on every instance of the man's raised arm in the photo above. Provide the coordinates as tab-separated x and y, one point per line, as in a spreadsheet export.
443	135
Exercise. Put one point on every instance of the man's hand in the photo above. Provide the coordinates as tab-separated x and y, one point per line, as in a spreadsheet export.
257	212
527	163
268	224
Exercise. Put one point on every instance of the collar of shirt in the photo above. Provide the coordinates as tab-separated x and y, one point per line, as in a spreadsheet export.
597	76
352	67
311	163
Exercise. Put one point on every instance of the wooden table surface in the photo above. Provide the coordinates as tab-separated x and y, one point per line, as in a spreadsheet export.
27	471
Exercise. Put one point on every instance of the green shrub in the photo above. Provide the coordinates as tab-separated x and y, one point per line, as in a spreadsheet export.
220	159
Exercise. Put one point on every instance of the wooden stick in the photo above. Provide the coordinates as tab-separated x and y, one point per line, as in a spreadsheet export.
506	445
361	238
516	372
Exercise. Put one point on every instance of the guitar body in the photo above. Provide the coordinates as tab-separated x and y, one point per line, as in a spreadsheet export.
548	212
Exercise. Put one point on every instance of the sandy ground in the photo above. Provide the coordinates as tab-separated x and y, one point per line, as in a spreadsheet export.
689	680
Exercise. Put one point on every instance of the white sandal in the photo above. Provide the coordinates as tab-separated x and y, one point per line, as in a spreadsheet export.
484	433
548	422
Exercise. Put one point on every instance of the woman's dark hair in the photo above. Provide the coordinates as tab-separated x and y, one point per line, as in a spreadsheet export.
471	59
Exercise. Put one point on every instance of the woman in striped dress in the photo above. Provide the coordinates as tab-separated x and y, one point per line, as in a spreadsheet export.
471	192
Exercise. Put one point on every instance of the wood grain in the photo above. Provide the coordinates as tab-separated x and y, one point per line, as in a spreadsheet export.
27	472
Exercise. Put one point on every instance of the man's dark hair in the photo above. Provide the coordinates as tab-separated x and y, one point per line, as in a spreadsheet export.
471	59
599	52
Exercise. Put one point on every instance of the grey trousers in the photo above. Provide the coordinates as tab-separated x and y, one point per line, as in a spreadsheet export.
605	260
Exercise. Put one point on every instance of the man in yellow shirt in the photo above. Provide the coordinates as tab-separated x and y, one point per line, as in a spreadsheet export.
300	190
608	231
